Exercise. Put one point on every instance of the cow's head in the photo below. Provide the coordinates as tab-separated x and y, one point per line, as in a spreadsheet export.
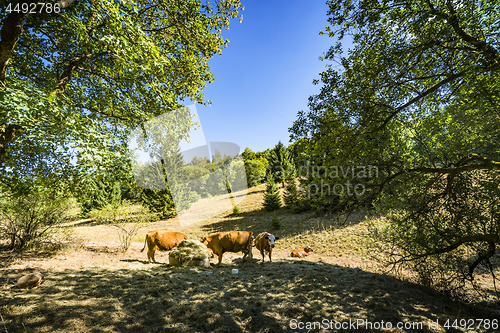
271	239
308	249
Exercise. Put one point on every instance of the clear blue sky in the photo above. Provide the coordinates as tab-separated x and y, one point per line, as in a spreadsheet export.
265	75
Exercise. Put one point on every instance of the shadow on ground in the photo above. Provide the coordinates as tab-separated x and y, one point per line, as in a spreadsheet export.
261	298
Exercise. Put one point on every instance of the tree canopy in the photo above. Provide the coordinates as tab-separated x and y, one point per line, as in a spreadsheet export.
417	96
74	83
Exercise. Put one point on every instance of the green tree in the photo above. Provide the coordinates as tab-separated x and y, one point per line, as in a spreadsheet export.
74	83
266	154
255	167
255	171
248	154
418	97
299	152
168	192
272	196
98	193
281	165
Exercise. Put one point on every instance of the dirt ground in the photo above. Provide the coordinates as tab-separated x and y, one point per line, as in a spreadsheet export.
94	288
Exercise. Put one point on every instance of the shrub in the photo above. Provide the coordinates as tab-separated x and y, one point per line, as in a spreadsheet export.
236	211
30	221
126	218
275	222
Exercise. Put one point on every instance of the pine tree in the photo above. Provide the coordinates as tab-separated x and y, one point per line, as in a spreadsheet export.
161	201
98	193
294	198
115	196
291	196
281	164
272	196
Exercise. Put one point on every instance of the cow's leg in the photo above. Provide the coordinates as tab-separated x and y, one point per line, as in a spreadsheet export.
220	258
152	255
244	257
270	251
262	254
149	255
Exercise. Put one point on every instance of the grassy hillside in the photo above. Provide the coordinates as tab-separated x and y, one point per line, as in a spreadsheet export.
94	288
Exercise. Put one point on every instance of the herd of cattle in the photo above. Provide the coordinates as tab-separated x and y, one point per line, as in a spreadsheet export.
219	243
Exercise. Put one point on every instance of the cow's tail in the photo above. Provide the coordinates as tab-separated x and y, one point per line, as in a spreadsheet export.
145	239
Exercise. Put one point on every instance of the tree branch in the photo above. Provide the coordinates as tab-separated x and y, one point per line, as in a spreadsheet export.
76	105
70	69
421	95
490	238
485	256
12	28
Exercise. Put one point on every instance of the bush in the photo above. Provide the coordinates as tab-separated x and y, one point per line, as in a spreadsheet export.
30	221
236	211
127	219
275	222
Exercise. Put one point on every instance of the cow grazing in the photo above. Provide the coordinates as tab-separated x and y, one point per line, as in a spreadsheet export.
163	241
302	252
230	241
264	242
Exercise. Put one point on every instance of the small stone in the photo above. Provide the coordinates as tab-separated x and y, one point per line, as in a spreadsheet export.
30	281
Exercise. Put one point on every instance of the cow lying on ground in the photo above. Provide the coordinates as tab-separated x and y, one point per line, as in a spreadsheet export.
264	242
163	241
230	241
302	252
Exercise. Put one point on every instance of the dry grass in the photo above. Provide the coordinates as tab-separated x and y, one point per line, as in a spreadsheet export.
94	288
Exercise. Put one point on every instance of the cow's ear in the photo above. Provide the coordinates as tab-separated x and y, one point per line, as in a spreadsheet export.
276	238
267	237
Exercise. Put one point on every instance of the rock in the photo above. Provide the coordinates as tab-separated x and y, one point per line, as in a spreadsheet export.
30	281
189	253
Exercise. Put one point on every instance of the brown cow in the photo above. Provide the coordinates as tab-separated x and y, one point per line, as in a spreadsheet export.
230	241
264	242
302	252
163	241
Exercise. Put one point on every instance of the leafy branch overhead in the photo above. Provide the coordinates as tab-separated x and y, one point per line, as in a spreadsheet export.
418	96
75	82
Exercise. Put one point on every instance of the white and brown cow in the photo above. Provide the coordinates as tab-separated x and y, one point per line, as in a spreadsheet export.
230	241
264	242
163	241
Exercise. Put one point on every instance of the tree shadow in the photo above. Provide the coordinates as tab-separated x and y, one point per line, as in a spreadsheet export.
261	298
